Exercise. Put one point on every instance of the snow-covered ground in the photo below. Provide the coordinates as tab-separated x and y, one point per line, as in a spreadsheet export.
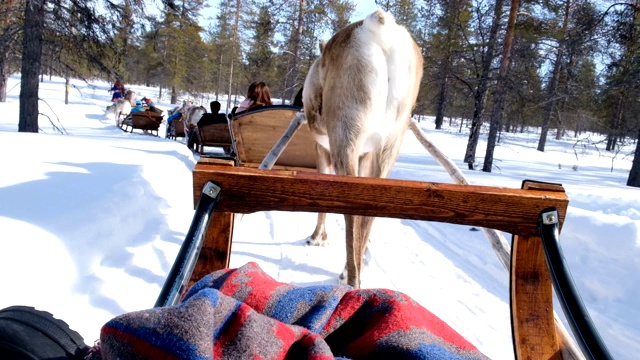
92	221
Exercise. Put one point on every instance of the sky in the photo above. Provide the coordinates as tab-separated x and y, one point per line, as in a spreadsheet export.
92	220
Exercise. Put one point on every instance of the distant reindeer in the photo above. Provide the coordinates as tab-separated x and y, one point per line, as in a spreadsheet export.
358	97
130	96
191	114
120	108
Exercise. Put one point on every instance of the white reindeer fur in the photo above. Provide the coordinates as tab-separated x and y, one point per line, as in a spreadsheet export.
120	108
358	98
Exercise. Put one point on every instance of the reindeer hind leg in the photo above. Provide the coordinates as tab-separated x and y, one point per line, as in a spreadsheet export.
347	162
368	166
319	236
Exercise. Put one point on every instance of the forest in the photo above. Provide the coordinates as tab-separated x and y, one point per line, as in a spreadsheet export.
564	67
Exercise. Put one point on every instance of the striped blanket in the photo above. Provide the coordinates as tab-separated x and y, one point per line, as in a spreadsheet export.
245	314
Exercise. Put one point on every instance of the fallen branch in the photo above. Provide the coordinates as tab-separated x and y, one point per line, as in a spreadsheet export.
62	130
13	87
52	124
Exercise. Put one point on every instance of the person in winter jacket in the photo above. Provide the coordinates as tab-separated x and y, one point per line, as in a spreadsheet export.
117	90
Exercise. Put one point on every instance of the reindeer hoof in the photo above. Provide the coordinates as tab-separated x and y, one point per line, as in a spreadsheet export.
343	276
316	242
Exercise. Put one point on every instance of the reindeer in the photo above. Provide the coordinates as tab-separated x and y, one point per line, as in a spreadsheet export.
120	108
191	114
358	97
130	96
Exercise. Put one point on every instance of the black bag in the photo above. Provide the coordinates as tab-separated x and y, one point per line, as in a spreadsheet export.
27	333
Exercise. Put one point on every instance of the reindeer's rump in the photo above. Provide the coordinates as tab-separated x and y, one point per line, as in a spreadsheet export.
249	313
362	88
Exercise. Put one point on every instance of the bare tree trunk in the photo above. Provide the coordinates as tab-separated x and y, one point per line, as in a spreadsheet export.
442	98
615	123
174	94
67	87
219	84
480	95
296	53
555	78
31	57
498	104
284	81
233	51
634	174
4	78
5	21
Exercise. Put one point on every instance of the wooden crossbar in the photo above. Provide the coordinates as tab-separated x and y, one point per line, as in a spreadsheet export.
247	190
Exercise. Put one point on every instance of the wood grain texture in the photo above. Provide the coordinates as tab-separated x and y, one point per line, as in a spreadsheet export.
531	293
247	190
532	322
215	135
216	249
255	134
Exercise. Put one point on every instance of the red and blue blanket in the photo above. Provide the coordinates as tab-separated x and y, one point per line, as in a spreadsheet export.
245	314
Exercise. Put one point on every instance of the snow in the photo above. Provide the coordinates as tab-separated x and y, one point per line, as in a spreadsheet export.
92	221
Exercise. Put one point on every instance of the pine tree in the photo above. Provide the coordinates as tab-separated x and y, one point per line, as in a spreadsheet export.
181	34
221	39
621	95
446	48
260	56
293	78
578	82
499	95
235	49
80	22
483	77
340	13
524	95
31	55
622	89
552	86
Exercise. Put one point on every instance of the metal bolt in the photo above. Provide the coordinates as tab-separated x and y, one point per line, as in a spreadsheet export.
551	218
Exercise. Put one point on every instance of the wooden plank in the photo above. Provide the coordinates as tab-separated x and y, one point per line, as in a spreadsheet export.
256	133
215	135
531	294
216	249
246	190
532	322
215	161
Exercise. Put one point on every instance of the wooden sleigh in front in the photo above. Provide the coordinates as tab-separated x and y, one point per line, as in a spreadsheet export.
533	214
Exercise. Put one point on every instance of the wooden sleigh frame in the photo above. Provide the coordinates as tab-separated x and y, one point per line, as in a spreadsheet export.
521	212
249	135
142	120
247	190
